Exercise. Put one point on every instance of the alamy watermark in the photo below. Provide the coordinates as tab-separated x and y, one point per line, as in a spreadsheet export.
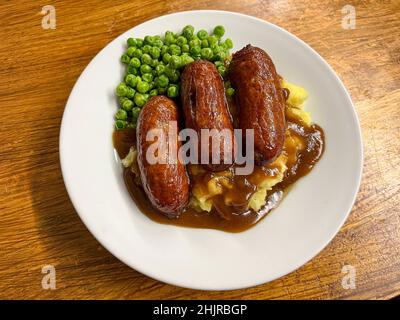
349	17
349	278
164	148
49	19
49	278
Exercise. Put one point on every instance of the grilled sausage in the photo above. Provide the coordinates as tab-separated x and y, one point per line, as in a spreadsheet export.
205	107
165	184
261	101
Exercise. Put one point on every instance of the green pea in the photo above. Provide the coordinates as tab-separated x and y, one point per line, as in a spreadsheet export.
139	43
125	58
130	51
137	53
169	38
140	99
164	49
155	52
221	70
206	53
202	34
216	49
154	63
188	32
131	42
132	70
162	81
166	58
173	91
219	31
174	49
146	58
142	87
186	59
120	124
145	68
174	76
194	43
131	93
149	40
212	40
153	92
127	104
158	43
185	48
160	69
121	114
152	85
181	40
134	62
175	62
135	113
121	100
230	91
219	55
222	46
219	63
130	79
146	48
229	43
121	90
169	71
195	51
138	79
148	77
204	43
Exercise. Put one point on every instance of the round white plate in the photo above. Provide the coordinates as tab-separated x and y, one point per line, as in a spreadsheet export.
304	223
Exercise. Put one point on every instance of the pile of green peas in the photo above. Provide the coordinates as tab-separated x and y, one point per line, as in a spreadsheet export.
154	66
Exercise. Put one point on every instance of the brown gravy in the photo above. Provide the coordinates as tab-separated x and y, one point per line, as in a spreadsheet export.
235	220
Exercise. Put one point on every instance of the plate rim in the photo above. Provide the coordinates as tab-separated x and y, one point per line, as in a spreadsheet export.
105	243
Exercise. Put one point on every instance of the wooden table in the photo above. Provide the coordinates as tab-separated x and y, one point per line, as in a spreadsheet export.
39	226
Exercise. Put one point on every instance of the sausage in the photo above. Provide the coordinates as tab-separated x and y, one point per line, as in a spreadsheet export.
165	184
205	107
260	100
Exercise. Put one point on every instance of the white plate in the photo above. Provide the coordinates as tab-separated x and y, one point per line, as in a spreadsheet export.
304	223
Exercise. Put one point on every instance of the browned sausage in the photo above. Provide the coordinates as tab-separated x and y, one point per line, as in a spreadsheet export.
260	99
205	107
165	184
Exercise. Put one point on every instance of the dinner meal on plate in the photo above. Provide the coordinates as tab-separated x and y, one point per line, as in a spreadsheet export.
209	139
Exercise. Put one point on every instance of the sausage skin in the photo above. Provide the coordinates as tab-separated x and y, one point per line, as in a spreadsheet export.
165	184
205	107
261	101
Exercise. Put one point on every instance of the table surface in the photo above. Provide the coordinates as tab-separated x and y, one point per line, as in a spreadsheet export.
38	224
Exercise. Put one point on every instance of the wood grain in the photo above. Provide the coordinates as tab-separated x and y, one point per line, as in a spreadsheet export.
38	224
